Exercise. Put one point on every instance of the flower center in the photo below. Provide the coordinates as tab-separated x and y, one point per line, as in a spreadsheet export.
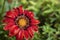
22	21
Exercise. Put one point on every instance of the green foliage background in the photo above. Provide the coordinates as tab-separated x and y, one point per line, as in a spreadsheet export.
47	11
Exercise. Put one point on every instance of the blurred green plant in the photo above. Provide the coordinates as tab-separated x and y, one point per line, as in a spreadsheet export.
47	11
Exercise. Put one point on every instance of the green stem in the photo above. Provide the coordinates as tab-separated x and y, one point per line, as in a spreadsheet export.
3	7
2	11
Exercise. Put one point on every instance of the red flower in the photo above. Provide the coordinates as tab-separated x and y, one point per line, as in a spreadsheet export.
20	23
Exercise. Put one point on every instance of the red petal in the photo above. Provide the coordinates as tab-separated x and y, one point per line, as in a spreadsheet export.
8	20
12	14
14	31
20	35
21	10
34	22
26	34
35	28
8	26
13	26
29	13
30	31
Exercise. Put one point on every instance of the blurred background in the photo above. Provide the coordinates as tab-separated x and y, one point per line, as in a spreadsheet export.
47	11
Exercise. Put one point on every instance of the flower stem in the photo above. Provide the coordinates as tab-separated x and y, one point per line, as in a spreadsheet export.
2	11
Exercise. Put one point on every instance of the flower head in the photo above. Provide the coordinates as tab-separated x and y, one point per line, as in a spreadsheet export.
20	23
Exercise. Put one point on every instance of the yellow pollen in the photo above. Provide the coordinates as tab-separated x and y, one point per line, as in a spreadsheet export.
22	22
